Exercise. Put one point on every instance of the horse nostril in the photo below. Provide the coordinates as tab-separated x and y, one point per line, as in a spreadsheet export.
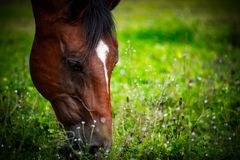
93	149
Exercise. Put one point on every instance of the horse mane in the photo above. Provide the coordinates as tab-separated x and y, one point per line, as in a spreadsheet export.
97	20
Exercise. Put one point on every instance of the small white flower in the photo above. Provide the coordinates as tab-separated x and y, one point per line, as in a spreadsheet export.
159	113
214	117
83	122
57	155
199	78
131	139
94	121
78	128
214	127
103	119
193	133
93	125
205	101
144	129
107	151
190	84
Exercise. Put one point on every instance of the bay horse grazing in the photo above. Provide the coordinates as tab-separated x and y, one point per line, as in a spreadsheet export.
72	57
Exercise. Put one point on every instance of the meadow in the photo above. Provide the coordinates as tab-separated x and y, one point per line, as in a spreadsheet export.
175	90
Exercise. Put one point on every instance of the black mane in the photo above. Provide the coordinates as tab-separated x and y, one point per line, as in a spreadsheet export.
97	20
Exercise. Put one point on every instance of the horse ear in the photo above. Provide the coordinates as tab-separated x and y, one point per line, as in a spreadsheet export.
112	3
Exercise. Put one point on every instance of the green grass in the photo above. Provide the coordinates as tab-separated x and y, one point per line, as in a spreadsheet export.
175	91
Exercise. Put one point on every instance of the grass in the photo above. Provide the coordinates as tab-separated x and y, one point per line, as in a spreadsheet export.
175	91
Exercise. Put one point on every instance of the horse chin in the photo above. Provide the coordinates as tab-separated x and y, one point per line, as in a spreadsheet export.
85	138
71	152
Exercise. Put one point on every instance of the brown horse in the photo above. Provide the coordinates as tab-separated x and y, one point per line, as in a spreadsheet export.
73	54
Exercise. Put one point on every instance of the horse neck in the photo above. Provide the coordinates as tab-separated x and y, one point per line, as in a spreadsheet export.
48	10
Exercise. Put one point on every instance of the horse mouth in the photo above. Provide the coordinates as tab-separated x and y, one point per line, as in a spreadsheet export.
71	152
79	143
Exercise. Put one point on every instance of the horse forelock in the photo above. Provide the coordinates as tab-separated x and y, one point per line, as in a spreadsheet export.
97	22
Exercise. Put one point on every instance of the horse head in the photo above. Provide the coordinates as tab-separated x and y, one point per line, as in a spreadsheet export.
72	58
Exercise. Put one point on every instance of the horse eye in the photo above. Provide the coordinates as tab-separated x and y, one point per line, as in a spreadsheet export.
74	64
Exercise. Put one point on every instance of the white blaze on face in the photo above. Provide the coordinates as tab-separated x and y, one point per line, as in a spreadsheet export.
102	51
